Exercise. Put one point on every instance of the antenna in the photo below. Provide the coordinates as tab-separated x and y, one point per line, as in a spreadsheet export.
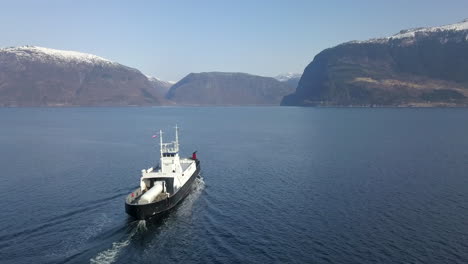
177	137
160	142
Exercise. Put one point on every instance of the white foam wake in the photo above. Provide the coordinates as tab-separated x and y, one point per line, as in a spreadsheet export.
198	187
199	184
110	255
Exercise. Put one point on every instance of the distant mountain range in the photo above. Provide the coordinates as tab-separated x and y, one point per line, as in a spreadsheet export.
228	88
416	67
37	76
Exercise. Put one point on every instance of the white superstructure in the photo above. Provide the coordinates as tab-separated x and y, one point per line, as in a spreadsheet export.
160	182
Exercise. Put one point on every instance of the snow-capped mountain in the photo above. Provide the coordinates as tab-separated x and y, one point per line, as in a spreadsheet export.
47	54
154	79
291	79
287	76
421	31
421	67
162	87
37	76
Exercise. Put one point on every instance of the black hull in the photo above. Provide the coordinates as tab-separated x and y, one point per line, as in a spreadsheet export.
145	211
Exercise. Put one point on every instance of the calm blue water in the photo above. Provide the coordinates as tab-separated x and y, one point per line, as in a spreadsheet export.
280	185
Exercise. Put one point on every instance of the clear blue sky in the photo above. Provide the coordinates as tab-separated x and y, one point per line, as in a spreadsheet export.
169	39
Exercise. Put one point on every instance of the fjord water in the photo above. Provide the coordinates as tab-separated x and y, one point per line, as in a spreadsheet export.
279	185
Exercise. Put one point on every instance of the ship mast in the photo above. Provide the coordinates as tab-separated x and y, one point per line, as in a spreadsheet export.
160	142
177	138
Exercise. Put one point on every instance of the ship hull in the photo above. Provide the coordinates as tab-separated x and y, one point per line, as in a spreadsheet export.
145	211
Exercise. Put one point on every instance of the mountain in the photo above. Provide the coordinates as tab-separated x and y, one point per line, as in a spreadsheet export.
36	76
226	88
160	87
416	67
287	76
291	79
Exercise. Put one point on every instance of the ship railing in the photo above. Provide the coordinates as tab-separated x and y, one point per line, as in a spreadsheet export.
169	147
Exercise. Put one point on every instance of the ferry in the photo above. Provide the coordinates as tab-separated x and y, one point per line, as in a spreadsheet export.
162	187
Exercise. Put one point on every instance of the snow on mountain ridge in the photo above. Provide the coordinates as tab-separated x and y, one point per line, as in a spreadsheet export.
411	33
287	76
151	78
43	54
155	79
35	53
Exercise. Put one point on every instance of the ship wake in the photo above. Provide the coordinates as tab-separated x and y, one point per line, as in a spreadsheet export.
140	227
110	255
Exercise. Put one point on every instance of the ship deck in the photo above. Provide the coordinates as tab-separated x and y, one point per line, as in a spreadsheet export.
135	200
185	166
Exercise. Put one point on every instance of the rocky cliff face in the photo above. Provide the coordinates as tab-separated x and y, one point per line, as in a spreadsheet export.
35	76
420	67
221	88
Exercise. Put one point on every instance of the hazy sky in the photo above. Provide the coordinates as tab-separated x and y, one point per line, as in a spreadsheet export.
169	39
